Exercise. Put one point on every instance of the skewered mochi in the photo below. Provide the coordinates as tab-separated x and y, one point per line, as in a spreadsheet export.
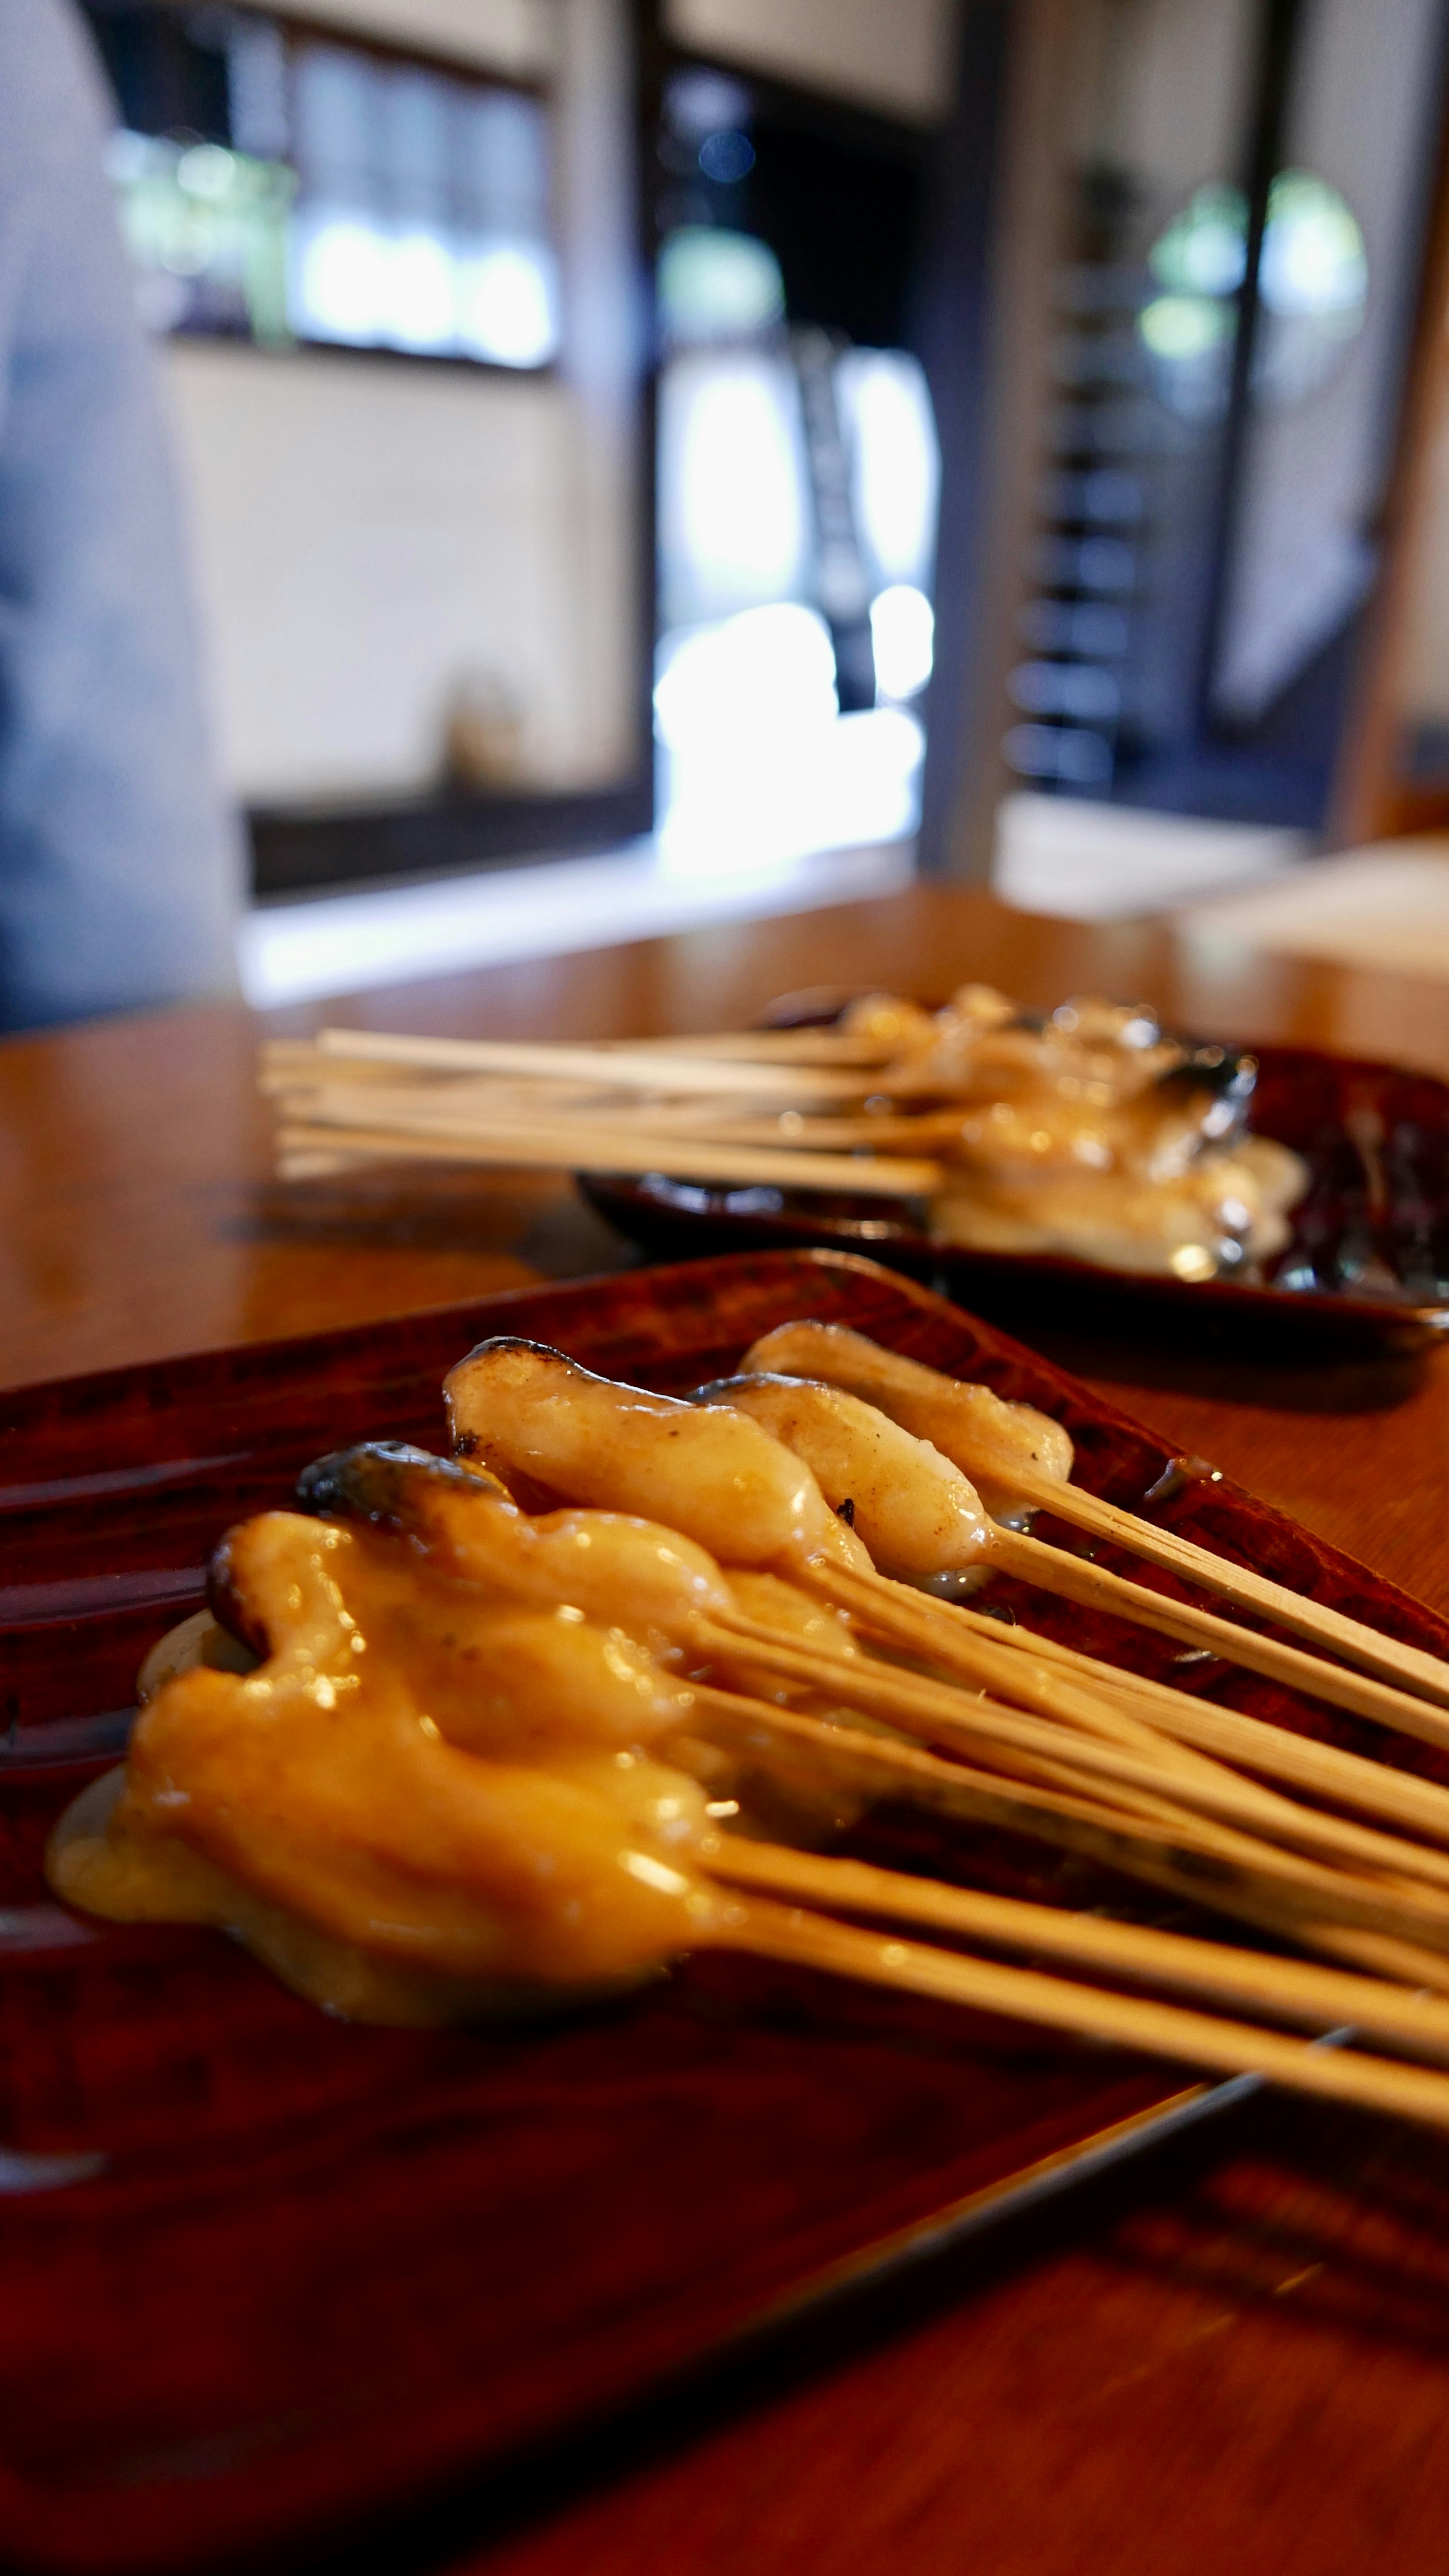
991	1441
432	1799
1089	1133
651	1588
915	1512
522	1410
888	1020
291	1775
982	1047
616	1569
603	1563
334	1808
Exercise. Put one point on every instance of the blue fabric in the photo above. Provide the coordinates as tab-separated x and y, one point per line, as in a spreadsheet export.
119	877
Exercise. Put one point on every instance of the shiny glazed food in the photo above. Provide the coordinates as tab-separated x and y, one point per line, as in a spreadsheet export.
422	1803
438	1756
1087	1133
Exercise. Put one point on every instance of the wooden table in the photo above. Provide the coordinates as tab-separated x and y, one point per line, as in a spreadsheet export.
1232	2358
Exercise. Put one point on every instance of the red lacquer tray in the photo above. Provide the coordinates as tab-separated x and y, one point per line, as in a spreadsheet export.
264	2277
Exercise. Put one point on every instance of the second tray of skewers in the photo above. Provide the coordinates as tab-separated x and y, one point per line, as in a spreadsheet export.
980	1145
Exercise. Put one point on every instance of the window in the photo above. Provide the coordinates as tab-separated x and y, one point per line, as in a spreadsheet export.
282	186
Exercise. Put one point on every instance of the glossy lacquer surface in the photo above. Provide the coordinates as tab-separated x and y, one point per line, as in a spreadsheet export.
263	2276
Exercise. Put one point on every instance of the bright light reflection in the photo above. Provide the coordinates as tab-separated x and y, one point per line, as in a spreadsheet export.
718	285
1204	249
508	305
355	281
419	292
732	495
902	630
207	170
1314	260
341	280
887	415
1313	279
761	803
1184	326
769	671
757	766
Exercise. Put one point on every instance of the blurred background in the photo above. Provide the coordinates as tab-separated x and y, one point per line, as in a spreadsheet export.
648	460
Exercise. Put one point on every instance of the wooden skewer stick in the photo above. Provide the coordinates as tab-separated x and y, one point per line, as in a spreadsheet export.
331	1166
614	1150
1420	1876
1398	1798
930	1627
1139	1837
1384	1956
1416	1880
1017	1666
397	1091
618	1067
788	1047
1052	1569
980	1662
982	1655
1146	1839
774	1046
1126	2021
955	1416
1247	1980
1393	1661
295	1088
1071	1814
483	1109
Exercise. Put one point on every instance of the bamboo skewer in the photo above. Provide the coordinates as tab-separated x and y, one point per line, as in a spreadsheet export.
808	1045
1248	1980
938	1408
610	1150
1400	1961
1052	1569
1143	1833
1075	1816
1416	1879
1399	1798
773	1046
664	1125
1393	1661
1127	2021
483	1108
616	1068
1142	1837
981	1654
924	1627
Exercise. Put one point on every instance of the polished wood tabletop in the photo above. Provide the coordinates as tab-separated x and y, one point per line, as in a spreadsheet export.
1233	2356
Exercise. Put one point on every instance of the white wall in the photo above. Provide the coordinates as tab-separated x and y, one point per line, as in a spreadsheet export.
890	54
367	534
518	36
366	538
